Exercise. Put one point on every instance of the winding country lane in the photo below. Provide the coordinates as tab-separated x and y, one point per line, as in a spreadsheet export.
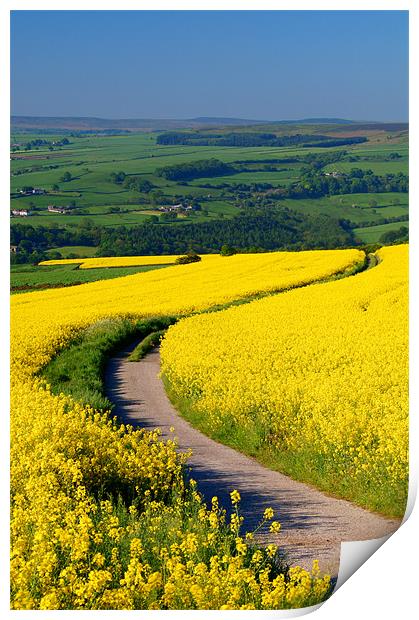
313	524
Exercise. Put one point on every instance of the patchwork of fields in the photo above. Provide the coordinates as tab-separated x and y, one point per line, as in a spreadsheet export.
90	192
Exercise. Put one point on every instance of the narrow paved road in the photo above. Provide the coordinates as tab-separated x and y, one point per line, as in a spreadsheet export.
313	524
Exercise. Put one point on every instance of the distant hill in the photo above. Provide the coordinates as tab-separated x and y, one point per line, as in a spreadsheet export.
109	126
318	121
75	123
214	120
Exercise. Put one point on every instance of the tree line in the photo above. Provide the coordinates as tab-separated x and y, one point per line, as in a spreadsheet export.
249	139
379	221
246	232
32	241
28	146
252	230
392	237
317	160
313	184
195	169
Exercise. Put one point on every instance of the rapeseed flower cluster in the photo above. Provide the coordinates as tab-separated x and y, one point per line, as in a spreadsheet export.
318	373
100	516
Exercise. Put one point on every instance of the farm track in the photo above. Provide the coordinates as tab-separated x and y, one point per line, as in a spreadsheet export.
313	524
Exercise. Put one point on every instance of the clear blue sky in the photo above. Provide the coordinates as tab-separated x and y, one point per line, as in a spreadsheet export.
181	64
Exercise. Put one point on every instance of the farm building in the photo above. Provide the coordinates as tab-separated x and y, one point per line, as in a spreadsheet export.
30	191
334	174
20	212
54	209
169	208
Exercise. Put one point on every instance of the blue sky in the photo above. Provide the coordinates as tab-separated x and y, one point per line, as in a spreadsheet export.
181	64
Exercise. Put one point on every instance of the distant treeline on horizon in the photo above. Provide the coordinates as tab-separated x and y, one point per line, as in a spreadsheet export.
254	139
116	126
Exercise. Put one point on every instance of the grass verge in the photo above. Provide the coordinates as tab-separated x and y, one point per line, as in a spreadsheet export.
306	465
146	345
78	370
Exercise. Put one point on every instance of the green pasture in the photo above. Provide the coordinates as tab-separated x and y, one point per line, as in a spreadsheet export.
378	167
24	278
371	234
114	219
82	251
357	208
281	177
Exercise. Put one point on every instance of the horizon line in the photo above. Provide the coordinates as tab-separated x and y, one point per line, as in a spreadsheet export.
215	118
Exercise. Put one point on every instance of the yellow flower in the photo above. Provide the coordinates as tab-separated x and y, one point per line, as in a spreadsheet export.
275	527
98	559
235	497
268	514
271	550
241	546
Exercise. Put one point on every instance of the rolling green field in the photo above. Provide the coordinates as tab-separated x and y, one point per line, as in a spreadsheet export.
24	278
284	176
82	251
378	167
91	160
371	234
357	208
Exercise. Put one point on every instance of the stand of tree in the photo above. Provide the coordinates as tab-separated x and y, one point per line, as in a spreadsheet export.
379	221
317	160
195	169
314	185
249	231
32	241
38	142
246	232
253	139
393	237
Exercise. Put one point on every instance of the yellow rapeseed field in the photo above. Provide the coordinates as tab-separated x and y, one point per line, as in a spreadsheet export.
44	321
72	547
138	261
117	261
317	373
